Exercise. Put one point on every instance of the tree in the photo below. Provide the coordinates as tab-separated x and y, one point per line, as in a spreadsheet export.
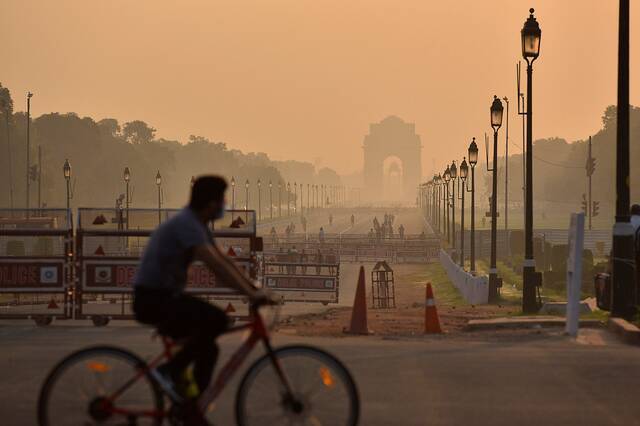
109	127
138	132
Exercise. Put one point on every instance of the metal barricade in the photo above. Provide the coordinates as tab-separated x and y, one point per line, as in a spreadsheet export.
110	242
36	274
303	282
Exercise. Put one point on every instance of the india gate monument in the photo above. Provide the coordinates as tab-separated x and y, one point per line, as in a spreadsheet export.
392	161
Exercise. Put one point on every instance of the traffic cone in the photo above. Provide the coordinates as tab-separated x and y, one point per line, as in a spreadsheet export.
52	304
231	252
359	313
431	318
99	251
229	308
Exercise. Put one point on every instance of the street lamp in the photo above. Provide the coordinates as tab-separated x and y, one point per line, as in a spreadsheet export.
530	37
295	198
438	188
453	171
270	200
233	193
464	172
66	169
246	195
447	178
127	177
624	295
473	160
259	200
496	122
159	185
288	199
279	199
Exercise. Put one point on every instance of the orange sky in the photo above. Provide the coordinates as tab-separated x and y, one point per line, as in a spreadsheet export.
303	79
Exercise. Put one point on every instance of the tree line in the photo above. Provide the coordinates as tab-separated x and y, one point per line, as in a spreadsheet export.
99	150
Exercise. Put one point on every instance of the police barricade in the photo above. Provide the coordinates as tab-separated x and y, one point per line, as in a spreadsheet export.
110	242
302	282
35	264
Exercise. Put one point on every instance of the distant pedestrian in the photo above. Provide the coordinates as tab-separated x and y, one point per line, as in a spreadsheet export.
401	231
321	235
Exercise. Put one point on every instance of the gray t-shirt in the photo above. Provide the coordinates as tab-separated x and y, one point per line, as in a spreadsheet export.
171	250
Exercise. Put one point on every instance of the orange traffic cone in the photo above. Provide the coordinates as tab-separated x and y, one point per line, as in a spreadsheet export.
431	318
52	304
229	308
99	251
231	252
359	313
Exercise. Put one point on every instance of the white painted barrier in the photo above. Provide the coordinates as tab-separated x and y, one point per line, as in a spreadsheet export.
475	290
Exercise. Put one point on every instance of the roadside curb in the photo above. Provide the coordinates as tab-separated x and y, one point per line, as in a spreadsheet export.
525	322
628	332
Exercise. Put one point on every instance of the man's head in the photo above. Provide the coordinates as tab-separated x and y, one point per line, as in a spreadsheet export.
207	196
635	210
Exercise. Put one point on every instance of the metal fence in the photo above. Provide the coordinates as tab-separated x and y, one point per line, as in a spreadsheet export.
36	274
109	243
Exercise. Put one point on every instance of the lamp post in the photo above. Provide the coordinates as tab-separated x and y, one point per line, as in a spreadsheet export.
447	178
127	177
279	199
464	172
66	169
295	198
624	291
259	200
506	171
233	193
159	185
453	171
530	37
496	121
270	200
288	199
438	187
246	194
473	160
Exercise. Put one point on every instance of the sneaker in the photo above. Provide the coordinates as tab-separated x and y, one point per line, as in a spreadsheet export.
163	378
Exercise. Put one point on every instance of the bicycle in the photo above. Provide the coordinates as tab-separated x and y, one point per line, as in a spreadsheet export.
110	385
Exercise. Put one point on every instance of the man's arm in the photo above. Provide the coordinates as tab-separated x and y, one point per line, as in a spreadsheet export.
224	268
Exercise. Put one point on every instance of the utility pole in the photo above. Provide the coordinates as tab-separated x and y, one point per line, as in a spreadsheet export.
29	95
39	176
5	106
591	167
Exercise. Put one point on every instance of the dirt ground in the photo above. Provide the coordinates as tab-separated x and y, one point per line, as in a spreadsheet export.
407	318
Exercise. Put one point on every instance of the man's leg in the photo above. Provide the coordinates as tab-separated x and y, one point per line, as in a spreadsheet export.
200	323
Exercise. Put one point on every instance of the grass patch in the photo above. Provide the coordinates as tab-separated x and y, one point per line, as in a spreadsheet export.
445	291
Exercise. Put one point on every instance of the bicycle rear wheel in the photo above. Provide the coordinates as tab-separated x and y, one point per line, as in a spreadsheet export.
324	392
76	391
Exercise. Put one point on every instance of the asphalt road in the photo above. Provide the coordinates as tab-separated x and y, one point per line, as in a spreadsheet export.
544	379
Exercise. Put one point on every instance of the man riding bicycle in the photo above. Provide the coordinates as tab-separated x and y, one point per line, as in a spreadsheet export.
160	299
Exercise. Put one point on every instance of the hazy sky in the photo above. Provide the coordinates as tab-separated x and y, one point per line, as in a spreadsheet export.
303	79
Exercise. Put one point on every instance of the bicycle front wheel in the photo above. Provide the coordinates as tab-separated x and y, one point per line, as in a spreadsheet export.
100	386
323	391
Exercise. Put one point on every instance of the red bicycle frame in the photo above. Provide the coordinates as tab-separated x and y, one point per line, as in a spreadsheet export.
258	333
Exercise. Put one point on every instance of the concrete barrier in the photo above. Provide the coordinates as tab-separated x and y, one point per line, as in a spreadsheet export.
474	289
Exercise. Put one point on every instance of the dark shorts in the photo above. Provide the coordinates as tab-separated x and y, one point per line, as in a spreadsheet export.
178	315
